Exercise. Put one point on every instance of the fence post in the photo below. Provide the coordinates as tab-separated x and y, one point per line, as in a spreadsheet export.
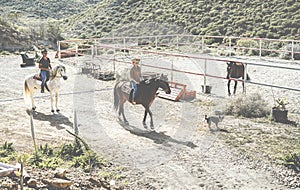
204	81
260	44
156	42
177	42
229	46
202	42
245	77
124	44
92	51
95	45
76	53
292	53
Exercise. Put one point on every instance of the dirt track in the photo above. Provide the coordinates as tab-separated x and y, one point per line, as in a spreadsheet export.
180	154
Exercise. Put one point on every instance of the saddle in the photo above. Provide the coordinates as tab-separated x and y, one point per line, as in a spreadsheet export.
37	77
127	89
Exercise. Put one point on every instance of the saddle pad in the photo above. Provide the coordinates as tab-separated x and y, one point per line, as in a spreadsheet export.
126	87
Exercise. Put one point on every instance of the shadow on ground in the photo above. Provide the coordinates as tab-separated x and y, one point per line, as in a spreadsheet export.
56	120
158	138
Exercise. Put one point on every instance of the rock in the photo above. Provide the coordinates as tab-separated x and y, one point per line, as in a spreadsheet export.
95	181
32	183
57	183
60	173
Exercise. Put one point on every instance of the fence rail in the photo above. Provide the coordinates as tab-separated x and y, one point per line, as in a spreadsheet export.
132	44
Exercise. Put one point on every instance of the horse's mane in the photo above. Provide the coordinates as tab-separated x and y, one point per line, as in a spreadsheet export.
53	73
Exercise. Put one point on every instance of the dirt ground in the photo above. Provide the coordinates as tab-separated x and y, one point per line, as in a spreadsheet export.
181	153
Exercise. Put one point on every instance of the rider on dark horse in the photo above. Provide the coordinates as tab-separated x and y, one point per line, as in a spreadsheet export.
45	67
135	77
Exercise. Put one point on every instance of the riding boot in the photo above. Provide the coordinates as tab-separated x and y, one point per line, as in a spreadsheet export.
42	89
47	87
133	100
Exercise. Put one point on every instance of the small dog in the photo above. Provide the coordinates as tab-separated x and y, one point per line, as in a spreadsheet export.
214	119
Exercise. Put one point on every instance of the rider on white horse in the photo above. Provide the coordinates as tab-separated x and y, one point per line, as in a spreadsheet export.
45	67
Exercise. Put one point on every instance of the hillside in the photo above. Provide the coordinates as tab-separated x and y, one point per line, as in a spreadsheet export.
98	18
25	23
11	38
47	9
270	18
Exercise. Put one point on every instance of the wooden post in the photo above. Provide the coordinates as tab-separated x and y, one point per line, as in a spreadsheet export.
202	40
177	41
292	53
245	77
230	47
124	44
260	44
204	83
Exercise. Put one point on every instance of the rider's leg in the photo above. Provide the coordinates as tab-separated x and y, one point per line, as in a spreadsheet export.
44	78
134	91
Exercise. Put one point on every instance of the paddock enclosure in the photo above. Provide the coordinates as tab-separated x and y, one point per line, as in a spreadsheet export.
181	152
189	60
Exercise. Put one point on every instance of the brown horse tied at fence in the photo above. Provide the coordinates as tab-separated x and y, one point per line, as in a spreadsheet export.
145	95
235	70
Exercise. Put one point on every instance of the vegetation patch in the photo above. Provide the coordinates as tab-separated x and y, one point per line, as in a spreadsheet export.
250	106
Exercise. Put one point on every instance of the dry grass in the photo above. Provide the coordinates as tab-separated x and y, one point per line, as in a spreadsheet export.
250	106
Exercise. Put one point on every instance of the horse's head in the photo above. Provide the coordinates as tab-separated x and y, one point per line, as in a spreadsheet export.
164	85
60	71
229	66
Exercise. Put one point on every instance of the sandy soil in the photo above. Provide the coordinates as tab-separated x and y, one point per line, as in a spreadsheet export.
181	153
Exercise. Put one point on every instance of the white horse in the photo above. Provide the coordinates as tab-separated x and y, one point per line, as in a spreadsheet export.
32	84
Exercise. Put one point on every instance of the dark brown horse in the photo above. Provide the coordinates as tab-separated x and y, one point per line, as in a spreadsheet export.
235	70
145	95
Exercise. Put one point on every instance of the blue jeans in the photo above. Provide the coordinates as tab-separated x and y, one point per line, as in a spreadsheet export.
44	78
134	86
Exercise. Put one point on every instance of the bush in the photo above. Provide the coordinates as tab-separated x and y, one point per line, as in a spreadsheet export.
292	161
250	106
287	55
248	43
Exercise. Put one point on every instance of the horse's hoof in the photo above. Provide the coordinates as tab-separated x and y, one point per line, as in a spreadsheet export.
144	124
52	111
57	110
33	108
126	122
152	127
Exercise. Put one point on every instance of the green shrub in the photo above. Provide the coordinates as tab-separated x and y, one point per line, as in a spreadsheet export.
250	106
288	55
292	161
7	151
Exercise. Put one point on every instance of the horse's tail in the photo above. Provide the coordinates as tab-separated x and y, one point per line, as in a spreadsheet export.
26	92
116	98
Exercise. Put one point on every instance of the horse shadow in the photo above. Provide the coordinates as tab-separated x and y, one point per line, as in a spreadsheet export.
156	137
56	120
